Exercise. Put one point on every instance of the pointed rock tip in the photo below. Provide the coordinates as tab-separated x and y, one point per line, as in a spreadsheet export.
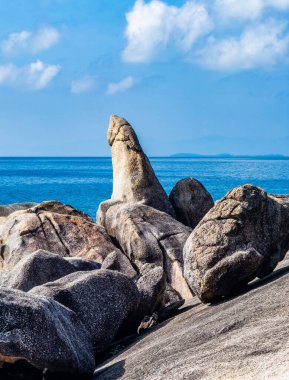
115	122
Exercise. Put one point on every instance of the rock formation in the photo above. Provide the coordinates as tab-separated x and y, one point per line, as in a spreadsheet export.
6	210
191	201
241	339
43	333
102	299
133	177
151	239
53	227
41	267
119	262
242	237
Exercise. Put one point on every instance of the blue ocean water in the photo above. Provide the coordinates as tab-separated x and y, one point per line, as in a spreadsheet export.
85	182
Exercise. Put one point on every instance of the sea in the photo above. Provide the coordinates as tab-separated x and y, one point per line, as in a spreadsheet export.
85	182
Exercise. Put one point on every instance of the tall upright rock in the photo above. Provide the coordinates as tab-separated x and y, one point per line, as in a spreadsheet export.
134	180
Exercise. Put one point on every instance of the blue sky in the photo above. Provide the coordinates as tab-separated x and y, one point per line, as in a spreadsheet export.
201	76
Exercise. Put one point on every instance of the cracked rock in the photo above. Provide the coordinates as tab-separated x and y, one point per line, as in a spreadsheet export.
153	242
243	236
53	227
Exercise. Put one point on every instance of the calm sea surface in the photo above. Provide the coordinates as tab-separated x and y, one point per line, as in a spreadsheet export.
85	182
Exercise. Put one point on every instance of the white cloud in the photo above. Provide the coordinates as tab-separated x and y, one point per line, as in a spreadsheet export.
121	86
247	9
152	26
82	85
261	45
25	41
35	76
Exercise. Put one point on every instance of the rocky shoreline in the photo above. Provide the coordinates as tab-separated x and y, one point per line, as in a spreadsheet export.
71	287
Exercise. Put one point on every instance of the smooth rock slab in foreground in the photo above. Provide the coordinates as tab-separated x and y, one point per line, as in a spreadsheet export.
43	333
243	236
241	339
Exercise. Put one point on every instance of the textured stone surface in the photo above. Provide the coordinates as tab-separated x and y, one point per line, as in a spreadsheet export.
151	286
6	210
244	236
43	333
150	239
241	339
102	299
119	262
191	201
133	177
53	227
41	267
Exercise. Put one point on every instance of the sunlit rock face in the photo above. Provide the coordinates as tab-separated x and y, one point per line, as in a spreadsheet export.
134	180
243	236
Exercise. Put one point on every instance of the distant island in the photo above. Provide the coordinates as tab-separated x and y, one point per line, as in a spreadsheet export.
227	155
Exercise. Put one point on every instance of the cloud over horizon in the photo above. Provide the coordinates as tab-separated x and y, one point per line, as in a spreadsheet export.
123	85
82	85
247	10
198	34
29	42
34	76
260	45
152	26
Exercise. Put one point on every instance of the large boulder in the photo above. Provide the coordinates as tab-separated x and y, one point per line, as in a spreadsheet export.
102	299
43	333
242	237
191	201
41	267
133	177
53	227
151	239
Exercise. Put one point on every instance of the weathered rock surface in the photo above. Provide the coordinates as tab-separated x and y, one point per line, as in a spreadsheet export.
82	264
43	333
244	236
102	300
151	239
151	286
53	227
6	210
241	339
119	262
133	177
191	201
41	267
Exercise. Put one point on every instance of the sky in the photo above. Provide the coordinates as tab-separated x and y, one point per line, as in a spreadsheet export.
204	77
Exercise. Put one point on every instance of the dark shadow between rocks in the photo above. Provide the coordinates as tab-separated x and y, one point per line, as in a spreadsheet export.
25	371
119	347
255	284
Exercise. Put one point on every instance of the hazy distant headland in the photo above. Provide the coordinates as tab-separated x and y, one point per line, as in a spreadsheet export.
227	155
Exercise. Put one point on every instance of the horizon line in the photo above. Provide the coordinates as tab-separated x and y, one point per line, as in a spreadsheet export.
175	156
